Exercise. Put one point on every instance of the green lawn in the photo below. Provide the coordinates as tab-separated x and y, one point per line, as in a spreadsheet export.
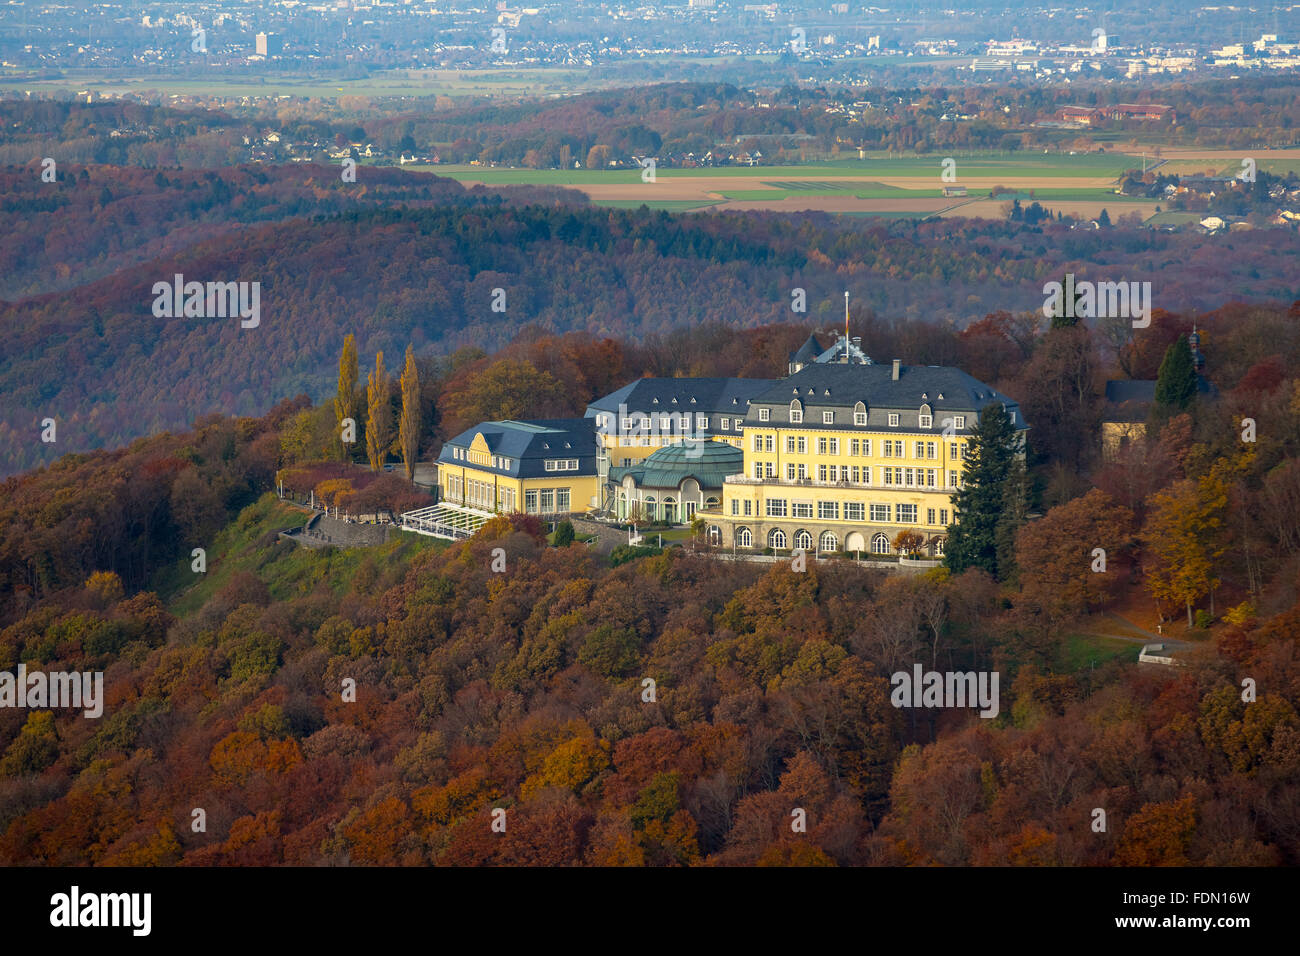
246	544
1082	649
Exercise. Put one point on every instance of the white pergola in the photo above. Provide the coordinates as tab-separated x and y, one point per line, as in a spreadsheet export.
453	522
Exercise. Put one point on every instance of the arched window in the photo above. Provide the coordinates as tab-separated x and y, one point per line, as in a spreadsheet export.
859	414
796	413
880	544
828	541
926	417
711	501
776	539
803	540
744	539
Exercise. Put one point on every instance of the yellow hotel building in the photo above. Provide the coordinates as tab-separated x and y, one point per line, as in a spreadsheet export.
843	456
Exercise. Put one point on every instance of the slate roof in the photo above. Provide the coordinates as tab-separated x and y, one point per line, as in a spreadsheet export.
720	396
807	352
713	397
528	444
838	388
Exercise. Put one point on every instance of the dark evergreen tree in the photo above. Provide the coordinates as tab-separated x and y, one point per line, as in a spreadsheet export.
1016	495
1176	381
564	534
972	540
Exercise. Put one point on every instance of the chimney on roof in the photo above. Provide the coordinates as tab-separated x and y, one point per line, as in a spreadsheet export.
897	364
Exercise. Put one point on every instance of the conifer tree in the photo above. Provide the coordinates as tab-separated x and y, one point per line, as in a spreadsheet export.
345	402
973	539
378	419
409	427
1176	381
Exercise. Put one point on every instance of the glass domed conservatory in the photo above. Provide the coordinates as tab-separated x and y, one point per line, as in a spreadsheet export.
674	482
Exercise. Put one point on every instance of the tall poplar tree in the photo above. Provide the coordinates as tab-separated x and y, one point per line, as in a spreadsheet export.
973	539
409	428
345	402
379	417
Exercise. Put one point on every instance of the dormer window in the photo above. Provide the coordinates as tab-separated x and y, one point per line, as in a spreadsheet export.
654	401
674	401
926	417
692	400
828	418
859	414
796	413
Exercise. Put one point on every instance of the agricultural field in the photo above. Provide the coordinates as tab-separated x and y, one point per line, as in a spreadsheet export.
883	185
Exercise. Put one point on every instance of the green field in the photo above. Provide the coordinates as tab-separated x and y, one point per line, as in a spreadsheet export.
669	205
1081	650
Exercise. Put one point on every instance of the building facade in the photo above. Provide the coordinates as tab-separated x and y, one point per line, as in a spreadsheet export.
845	457
637	420
543	467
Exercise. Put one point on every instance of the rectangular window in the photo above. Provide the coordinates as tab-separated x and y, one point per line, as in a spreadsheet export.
856	471
834	445
859	418
952	452
758	469
931	450
893	419
735	506
821	446
889	449
789	444
530	502
771	469
927	421
910	474
562	499
801	509
789	471
548	500
889	476
828	510
959	421
828	418
725	424
747	505
952	479
701	422
764	414
866	447
803	472
769	443
796	416
943	516
844	472
930	474
929	516
821	472
853	511
907	514
776	507
920	449
880	513
758	443
803	445
855	447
